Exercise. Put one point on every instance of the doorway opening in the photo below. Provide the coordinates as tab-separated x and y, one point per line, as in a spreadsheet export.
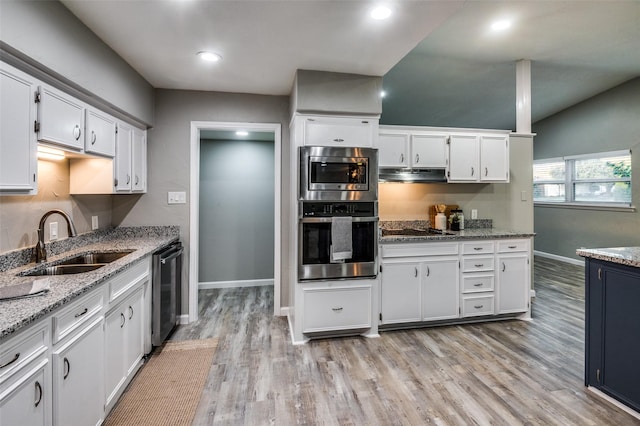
203	130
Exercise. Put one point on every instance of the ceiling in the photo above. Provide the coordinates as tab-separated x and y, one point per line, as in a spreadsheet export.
441	64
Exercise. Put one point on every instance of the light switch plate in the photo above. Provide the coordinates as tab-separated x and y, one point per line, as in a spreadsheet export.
53	231
177	197
94	223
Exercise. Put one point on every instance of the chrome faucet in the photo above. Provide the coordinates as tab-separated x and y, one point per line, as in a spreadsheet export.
41	253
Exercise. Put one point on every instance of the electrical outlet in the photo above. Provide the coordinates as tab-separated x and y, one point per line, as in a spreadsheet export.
474	213
53	231
523	195
94	223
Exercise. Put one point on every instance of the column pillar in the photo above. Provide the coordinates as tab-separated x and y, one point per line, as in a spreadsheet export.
523	96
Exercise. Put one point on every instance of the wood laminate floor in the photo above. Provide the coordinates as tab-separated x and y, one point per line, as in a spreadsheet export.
499	373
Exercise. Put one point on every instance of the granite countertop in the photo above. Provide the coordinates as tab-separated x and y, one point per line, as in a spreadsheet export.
480	230
629	256
19	313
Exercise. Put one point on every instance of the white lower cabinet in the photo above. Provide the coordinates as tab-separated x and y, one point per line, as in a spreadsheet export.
26	398
400	292
78	378
123	345
513	276
440	289
337	308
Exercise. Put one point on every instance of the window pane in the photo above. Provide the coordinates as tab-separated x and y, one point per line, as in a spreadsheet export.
548	171
603	168
603	192
551	192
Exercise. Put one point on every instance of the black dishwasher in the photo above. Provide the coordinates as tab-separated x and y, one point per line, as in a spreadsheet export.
165	291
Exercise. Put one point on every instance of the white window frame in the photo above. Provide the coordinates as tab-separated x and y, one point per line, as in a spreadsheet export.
569	181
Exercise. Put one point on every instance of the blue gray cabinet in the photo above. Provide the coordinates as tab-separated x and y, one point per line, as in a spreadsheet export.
612	325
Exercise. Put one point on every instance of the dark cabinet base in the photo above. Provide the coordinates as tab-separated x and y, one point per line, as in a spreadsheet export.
613	330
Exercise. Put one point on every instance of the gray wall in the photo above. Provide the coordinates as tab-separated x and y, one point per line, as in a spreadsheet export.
168	157
49	34
607	122
236	210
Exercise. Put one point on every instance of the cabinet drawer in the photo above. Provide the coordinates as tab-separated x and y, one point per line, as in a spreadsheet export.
75	315
477	283
128	279
420	249
508	246
478	305
23	348
477	263
337	309
477	247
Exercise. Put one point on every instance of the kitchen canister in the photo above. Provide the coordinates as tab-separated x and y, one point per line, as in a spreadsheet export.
441	222
460	217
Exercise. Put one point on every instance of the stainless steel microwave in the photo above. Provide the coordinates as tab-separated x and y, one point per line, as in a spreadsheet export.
338	173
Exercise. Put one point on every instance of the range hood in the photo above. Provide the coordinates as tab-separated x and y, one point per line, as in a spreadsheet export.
413	175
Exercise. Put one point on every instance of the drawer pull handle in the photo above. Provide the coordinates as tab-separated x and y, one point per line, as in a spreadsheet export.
39	393
77	132
503	266
122	320
338	140
477	248
15	358
336	309
130	312
428	271
81	313
93	137
512	247
486	171
478	306
66	368
401	158
472	171
417	158
478	285
479	265
415	274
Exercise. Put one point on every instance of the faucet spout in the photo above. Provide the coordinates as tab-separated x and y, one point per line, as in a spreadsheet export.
41	253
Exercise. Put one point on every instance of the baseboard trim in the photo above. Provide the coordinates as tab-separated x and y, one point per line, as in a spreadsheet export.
234	284
613	401
284	311
559	258
183	319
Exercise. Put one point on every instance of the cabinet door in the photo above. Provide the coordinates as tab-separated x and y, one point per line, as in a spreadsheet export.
400	292
123	158
393	150
134	332
513	283
26	401
78	378
61	119
440	289
494	158
114	365
429	151
101	133
18	161
464	158
339	131
139	160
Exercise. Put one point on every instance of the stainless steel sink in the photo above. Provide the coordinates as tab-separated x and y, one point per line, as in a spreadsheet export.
78	264
64	270
96	257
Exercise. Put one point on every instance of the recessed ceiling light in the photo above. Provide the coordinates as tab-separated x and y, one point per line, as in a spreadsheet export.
381	12
242	133
501	25
209	56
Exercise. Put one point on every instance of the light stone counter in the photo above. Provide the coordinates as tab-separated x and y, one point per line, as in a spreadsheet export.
629	256
19	313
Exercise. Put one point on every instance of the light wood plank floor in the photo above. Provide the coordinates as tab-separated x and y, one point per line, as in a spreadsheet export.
500	373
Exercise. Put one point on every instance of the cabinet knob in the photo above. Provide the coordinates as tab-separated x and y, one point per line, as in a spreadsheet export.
77	132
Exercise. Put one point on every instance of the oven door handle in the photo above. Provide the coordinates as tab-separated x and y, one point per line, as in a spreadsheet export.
328	219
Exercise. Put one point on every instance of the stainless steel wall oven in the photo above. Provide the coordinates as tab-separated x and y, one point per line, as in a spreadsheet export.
323	226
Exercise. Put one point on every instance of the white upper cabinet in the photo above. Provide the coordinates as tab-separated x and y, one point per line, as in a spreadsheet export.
60	119
478	158
464	158
340	131
139	160
428	151
18	144
494	158
410	148
393	150
123	158
101	133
